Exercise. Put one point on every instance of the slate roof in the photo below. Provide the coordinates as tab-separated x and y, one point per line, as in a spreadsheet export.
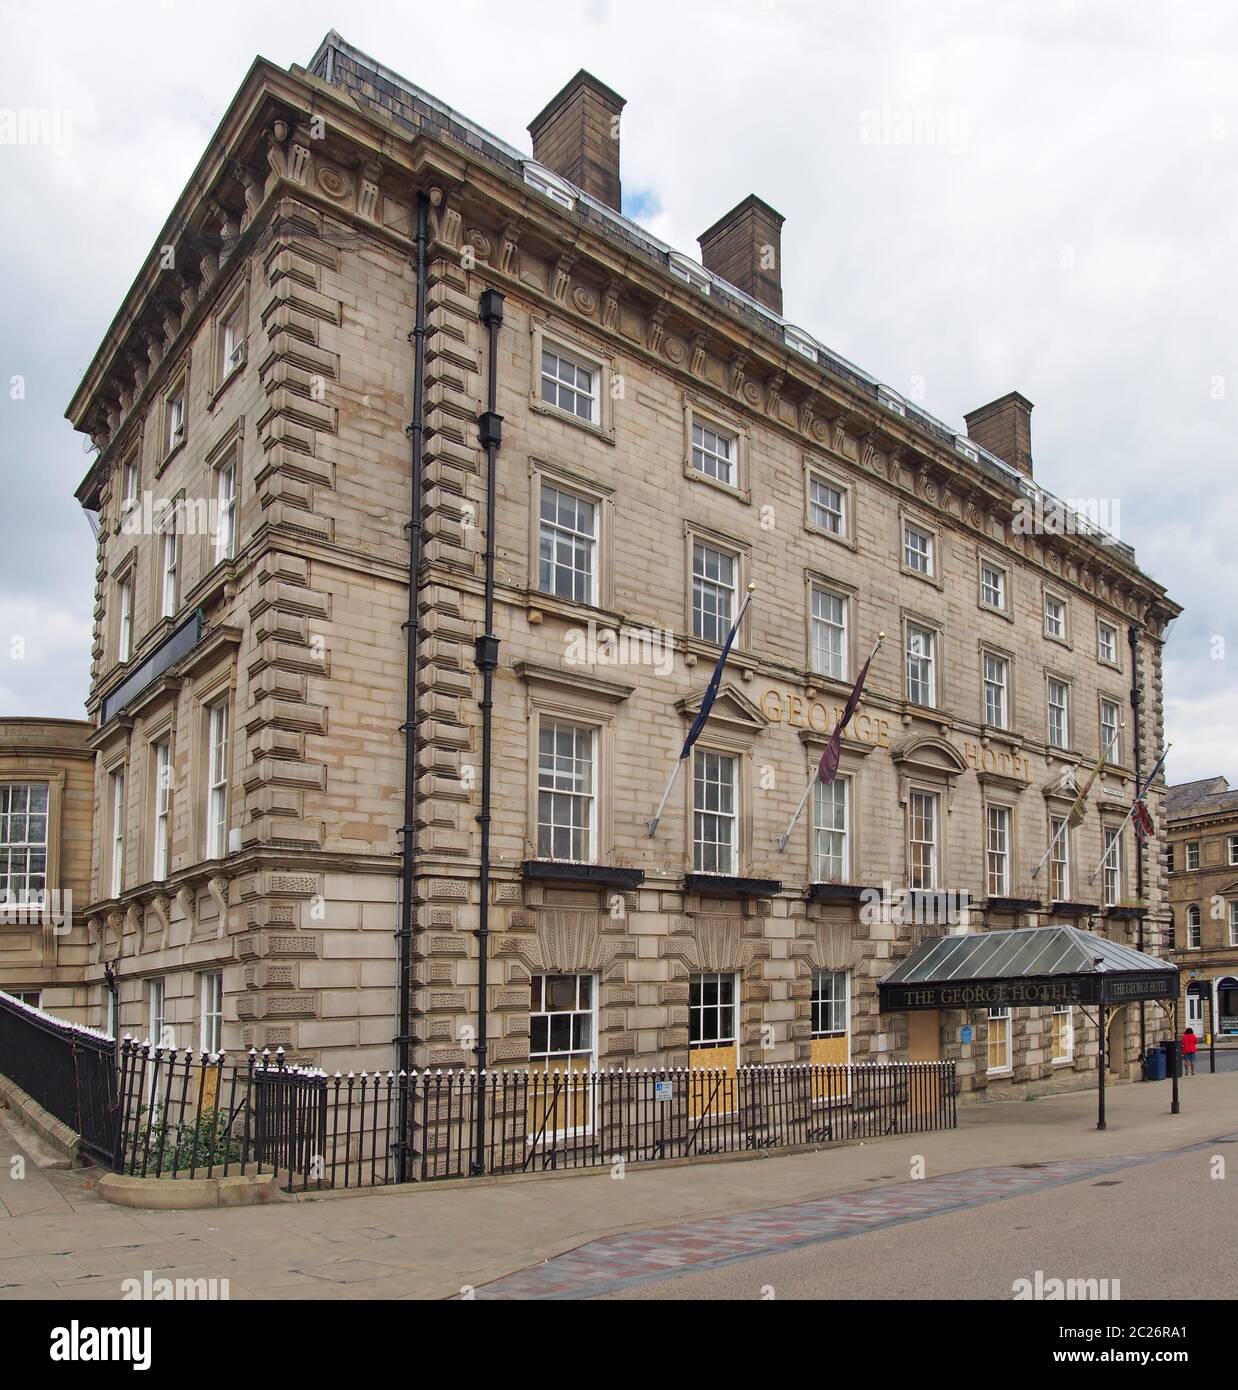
1209	796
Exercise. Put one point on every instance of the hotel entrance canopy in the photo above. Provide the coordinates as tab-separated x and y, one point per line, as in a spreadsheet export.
1024	968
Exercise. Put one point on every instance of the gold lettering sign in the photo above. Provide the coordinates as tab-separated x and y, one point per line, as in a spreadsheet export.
797	712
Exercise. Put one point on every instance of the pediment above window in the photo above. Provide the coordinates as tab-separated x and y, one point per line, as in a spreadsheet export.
732	709
927	755
578	679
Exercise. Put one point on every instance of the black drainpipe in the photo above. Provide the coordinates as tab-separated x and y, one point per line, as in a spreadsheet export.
1132	636
490	433
415	431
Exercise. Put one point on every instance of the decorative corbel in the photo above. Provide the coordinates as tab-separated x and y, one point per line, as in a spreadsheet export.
562	278
368	189
508	256
188	900
697	363
163	910
838	443
804	416
299	154
610	304
446	220
218	888
773	393
133	923
739	362
253	188
654	330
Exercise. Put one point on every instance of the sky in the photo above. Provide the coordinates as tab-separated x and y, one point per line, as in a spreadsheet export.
980	197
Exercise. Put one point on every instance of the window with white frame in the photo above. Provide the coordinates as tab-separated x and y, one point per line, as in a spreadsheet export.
992	586
567	544
561	1018
711	1009
1232	849
175	415
827	506
1192	854
1063	1033
1111	878
32	997
217	780
23	842
110	1021
1107	643
997	843
159	1031
1169	858
225	510
171	564
999	1040
830	1002
715	580
831	861
924	828
569	384
715	811
1194	930
118	831
211	1011
996	688
1059	716
1059	860
129	484
1110	730
918	546
1233	921
163	808
124	618
1055	617
828	633
232	341
713	452
566	791
921	665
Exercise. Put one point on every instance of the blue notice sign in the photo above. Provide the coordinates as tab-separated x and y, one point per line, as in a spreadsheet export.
965	1033
661	1090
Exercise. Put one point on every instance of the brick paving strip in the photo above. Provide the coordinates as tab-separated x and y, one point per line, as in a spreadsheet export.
640	1257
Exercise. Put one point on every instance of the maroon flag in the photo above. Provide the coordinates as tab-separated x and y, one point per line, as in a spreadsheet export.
1144	829
827	768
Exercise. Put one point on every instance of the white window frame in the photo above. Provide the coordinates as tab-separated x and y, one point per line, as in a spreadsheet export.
823	516
705	763
1231	847
1108	730
586	1014
1192	854
715	454
211	1011
161	857
1062	618
998	1015
1103	627
826	1007
557	533
168	585
702	583
564	355
227	476
700	981
1059	859
174	414
821	652
158	1030
834	798
1001	603
232	340
218	745
124	617
117	862
1063	741
554	783
995	679
1067	1012
18	854
1233	921
912	554
1194	927
923	855
130	471
1111	875
997	841
928	659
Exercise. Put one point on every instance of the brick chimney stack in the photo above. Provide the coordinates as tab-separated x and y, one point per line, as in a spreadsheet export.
1004	428
576	135
745	249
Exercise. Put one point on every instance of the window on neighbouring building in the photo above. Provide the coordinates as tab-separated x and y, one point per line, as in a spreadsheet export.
1063	1033
715	580
561	1018
211	1009
997	836
827	506
163	808
711	1009
829	633
1233	921
171	564
1059	861
923	819
713	452
159	1031
566	791
1055	617
999	1040
225	508
118	831
124	619
1107	643
1173	932
23	842
715	812
1192	854
921	665
217	780
567	544
1232	844
918	549
1110	731
1193	927
831	861
31	997
992	586
996	683
1059	725
829	1003
569	384
1111	878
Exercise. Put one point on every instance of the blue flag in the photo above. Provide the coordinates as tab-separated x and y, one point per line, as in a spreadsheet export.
711	693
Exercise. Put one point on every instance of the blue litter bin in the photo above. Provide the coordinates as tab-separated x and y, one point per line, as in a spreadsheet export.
1154	1064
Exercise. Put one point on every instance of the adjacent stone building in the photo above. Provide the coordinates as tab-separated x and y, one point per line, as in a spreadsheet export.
1202	834
46	809
292	353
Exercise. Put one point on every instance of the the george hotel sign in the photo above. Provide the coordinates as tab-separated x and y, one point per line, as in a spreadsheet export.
1093	987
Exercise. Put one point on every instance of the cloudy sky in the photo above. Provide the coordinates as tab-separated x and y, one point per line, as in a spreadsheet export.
1037	196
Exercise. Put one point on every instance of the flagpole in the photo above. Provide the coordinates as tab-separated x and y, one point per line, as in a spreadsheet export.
816	772
683	757
1139	796
1086	787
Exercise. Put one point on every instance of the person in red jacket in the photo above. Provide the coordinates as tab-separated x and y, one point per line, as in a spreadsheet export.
1189	1043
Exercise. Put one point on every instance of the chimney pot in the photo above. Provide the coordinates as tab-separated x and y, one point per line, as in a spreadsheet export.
1004	427
576	135
745	249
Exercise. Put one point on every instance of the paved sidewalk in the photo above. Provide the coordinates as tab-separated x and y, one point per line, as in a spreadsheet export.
58	1239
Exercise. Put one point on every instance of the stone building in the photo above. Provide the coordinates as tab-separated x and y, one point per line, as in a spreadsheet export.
46	808
1201	829
661	437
